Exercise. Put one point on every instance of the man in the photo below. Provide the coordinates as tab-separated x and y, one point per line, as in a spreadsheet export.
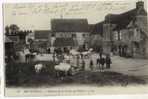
102	62
48	50
120	50
108	61
98	63
101	52
78	62
83	65
54	56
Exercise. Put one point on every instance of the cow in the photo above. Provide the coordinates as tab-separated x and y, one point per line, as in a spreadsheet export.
63	69
38	68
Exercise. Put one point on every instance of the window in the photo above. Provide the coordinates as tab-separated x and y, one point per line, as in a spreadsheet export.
83	35
116	35
73	35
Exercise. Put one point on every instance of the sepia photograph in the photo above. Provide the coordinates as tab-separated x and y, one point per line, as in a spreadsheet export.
75	48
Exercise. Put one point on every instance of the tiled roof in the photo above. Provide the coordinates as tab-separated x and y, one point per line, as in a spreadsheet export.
143	25
91	27
121	21
64	42
69	25
98	28
42	34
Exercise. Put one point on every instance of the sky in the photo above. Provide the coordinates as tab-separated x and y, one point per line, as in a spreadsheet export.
37	16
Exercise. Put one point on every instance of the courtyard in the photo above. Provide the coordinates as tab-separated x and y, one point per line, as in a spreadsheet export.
123	72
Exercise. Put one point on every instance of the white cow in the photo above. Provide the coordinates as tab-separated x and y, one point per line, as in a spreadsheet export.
87	53
74	52
38	68
63	68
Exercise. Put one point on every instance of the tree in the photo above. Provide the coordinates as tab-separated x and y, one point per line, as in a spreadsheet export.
14	29
7	30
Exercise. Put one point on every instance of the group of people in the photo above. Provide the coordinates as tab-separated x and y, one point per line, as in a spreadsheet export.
101	63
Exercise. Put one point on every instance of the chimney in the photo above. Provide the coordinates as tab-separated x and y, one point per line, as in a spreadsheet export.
140	5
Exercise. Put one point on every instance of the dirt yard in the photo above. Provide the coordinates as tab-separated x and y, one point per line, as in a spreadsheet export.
23	75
